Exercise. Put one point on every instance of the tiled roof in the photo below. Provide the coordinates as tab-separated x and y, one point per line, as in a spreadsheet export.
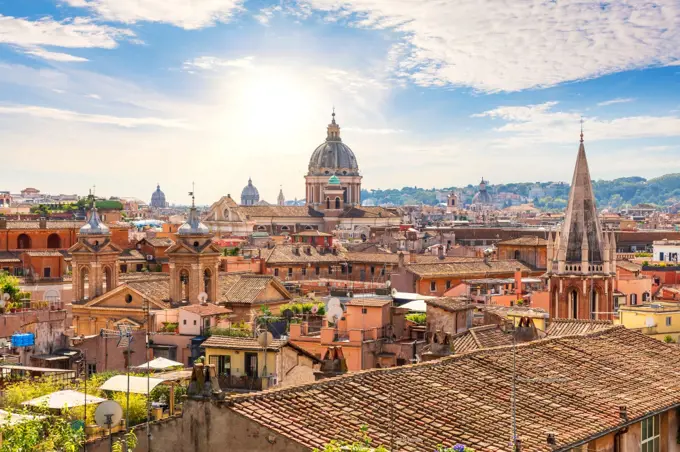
630	266
514	310
279	211
368	302
367	212
393	258
569	327
35	224
572	386
160	242
8	257
313	233
205	310
156	289
43	253
240	343
282	254
245	288
131	255
453	269
525	241
451	304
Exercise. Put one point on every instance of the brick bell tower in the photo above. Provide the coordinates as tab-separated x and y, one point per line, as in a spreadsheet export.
194	261
581	272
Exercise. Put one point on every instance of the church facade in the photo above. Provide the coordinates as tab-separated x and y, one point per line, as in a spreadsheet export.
333	199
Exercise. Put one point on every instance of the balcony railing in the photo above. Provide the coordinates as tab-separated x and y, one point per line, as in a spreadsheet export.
243	382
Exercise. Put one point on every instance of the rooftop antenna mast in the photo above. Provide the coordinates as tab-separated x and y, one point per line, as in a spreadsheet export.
124	335
191	193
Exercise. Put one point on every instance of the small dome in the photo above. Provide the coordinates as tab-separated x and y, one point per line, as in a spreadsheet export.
193	226
250	196
158	198
333	180
94	225
333	156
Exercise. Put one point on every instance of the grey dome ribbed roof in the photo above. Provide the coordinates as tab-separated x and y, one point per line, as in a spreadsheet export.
193	226
94	225
158	198
249	194
333	156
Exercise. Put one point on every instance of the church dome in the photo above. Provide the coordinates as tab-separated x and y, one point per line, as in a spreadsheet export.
193	226
333	180
482	196
333	156
158	198
250	196
94	225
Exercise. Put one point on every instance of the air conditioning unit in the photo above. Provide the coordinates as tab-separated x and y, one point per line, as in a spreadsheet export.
149	257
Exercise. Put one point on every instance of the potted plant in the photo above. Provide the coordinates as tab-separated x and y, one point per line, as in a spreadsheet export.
12	307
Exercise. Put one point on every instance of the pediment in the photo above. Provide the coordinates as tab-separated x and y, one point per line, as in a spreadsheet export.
123	297
83	246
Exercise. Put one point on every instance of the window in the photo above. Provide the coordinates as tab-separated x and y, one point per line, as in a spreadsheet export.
290	272
364	310
304	271
276	272
47	272
650	437
661	257
185	321
222	365
317	270
382	271
633	299
195	323
91	368
330	269
668	321
448	284
372	271
349	269
433	286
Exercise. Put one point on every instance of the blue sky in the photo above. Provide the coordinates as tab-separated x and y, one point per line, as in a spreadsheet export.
123	94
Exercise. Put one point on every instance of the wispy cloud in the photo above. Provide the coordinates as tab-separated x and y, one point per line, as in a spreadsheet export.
512	45
68	115
619	100
266	14
54	56
211	63
374	131
189	15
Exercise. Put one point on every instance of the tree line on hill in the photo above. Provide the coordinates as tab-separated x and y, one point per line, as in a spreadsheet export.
615	194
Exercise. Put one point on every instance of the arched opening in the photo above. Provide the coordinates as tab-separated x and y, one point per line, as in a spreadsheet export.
573	304
108	280
285	228
54	241
645	297
85	283
261	228
337	203
593	304
207	280
184	285
23	242
344	194
517	254
328	203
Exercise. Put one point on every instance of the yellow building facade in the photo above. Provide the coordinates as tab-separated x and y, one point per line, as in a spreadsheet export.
658	319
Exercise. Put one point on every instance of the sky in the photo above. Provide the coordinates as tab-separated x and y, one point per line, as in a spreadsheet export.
124	94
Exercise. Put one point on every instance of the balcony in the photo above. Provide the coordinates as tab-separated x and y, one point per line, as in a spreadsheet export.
242	383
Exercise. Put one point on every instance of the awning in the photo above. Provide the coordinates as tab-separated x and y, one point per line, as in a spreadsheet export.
159	364
415	306
67	398
406	296
138	385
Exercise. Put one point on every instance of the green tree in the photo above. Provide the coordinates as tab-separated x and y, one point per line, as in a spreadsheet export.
41	209
9	284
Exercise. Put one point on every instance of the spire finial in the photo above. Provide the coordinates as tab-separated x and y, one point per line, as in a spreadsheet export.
191	193
333	115
581	129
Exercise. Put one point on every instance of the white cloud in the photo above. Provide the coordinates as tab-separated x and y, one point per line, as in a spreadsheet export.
68	115
78	32
386	131
266	14
510	45
54	56
619	100
541	124
186	14
211	63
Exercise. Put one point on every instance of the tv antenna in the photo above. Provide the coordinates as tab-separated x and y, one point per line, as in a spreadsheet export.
107	415
124	335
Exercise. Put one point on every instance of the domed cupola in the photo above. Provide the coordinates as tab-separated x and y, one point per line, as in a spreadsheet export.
333	156
249	196
158	198
94	225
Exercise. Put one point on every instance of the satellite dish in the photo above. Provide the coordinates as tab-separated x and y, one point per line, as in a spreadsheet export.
202	297
388	283
265	339
108	414
394	291
287	314
333	313
333	302
649	322
6	297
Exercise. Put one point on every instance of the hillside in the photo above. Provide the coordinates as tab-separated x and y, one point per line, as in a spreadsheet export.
617	193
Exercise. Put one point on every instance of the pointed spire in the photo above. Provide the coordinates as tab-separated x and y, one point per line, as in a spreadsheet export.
193	225
581	129
333	132
333	115
94	225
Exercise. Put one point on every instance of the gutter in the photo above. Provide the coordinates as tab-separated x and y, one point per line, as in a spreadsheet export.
625	425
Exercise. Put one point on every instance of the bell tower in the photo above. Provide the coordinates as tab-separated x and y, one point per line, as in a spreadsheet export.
95	259
194	261
581	269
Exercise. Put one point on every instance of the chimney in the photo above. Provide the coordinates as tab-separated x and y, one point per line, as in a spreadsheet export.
412	257
3	223
440	251
43	223
518	282
402	259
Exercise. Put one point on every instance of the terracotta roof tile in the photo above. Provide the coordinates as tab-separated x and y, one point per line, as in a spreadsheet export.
245	288
630	266
453	269
279	211
240	343
8	257
525	241
568	327
451	304
283	254
205	310
157	289
368	302
572	386
160	242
